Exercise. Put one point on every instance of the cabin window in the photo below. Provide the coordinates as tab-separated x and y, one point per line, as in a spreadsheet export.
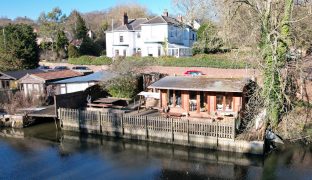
228	103
5	84
193	102
219	103
170	97
202	101
178	98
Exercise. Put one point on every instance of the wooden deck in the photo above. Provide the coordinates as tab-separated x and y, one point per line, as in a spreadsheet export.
46	111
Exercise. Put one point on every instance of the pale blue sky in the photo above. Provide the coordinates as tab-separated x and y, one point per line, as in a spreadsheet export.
32	8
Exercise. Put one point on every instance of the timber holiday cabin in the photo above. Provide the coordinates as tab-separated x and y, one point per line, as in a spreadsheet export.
201	97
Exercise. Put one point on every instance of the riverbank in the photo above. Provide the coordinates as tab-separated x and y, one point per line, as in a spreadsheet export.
191	133
42	152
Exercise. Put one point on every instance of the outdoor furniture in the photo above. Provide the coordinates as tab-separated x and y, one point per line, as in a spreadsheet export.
108	103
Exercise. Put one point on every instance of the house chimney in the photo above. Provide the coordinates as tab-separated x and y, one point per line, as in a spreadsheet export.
125	19
165	13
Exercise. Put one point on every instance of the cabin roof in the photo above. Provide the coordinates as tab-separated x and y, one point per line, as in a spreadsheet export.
53	75
15	75
49	76
200	83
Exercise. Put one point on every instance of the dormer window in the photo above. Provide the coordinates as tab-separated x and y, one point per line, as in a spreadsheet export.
121	39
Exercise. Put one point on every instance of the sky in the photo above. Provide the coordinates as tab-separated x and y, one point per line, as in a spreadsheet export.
32	8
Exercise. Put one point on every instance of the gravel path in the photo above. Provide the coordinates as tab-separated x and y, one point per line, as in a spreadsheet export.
210	72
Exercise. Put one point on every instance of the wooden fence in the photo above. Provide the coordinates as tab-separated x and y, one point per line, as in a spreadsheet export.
147	126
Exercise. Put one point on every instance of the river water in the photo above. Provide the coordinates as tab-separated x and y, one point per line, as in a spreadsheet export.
41	152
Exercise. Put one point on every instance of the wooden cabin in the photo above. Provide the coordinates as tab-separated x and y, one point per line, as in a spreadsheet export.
9	79
201	96
41	84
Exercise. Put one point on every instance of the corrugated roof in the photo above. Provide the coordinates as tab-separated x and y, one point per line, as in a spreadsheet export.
19	74
54	75
200	83
100	76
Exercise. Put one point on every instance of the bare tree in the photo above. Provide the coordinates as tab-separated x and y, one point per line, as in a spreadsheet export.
270	27
193	9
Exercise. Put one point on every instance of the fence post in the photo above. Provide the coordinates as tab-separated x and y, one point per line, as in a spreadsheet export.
60	116
99	118
188	131
122	126
172	133
217	132
233	129
79	119
146	129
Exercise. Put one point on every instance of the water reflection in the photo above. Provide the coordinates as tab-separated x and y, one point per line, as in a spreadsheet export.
42	152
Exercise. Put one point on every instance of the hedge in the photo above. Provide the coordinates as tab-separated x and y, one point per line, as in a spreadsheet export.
206	60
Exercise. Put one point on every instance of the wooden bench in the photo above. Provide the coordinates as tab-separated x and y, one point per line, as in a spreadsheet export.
99	105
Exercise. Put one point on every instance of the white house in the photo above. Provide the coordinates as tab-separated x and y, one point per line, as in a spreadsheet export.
161	35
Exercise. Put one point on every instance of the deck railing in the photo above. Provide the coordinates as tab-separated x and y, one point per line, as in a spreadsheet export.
103	121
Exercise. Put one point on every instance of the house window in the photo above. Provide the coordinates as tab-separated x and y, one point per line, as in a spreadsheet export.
193	36
138	35
116	52
121	39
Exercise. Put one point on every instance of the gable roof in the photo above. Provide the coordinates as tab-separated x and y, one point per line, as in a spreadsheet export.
54	75
165	20
200	83
133	25
100	76
15	75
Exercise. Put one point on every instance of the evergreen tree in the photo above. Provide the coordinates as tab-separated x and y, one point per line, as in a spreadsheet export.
61	41
18	47
80	29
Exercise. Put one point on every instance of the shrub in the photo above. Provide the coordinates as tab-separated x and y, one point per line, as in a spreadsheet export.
90	60
125	86
73	52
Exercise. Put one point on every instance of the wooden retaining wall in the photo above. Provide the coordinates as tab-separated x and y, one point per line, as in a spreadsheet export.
157	129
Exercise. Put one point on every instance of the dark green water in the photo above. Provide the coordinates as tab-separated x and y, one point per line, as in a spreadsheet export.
41	152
